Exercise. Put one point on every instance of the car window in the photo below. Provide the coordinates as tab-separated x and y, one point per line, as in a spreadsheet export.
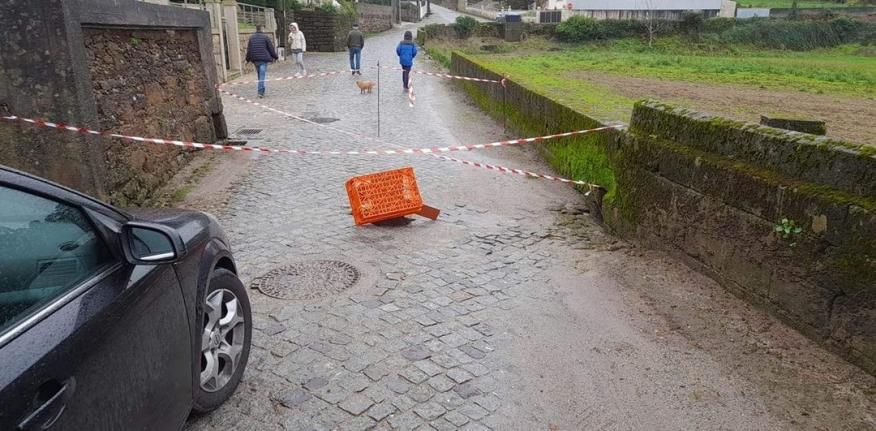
46	249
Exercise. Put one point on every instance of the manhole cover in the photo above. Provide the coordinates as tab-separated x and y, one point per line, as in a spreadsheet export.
248	132
307	280
323	120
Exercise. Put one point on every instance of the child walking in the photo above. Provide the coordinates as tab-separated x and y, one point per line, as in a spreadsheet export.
297	46
406	51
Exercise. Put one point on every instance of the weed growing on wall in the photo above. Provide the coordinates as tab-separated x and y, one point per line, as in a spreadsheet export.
788	230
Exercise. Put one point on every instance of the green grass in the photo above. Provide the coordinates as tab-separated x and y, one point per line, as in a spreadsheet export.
789	3
551	68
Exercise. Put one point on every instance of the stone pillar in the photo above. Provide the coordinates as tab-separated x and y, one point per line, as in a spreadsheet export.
232	35
214	7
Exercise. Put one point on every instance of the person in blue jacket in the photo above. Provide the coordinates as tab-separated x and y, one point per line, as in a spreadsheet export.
260	51
406	51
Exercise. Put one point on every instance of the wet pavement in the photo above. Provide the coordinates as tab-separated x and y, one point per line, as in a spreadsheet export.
512	311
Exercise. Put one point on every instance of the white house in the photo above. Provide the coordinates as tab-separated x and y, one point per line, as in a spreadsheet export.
641	9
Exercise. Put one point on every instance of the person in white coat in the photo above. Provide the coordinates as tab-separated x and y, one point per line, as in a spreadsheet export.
296	44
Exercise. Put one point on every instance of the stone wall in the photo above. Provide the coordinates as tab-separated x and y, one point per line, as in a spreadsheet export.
68	61
244	36
147	83
712	191
325	31
374	18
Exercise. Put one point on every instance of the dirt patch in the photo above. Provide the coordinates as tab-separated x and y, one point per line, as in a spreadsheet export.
204	184
847	118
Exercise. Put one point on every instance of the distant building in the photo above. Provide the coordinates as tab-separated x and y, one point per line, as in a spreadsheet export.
643	9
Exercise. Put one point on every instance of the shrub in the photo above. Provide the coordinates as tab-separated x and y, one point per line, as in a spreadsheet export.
579	29
799	35
465	26
328	8
718	25
691	23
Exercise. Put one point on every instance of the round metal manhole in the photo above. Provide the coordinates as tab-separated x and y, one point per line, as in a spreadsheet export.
308	280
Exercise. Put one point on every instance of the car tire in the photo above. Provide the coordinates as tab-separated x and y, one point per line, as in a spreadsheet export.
219	344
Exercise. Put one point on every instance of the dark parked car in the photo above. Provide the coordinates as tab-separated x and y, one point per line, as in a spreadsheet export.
113	320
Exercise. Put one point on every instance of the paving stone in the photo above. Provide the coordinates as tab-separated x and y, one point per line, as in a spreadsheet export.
459	375
403	403
440	329
380	411
332	394
473	411
283	349
376	372
424	320
316	383
359	423
467	390
356	404
475	427
293	397
356	383
441	424
471	351
425	427
390	307
416	353
421	393
397	385
429	367
476	369
429	411
454	340
407	421
446	361
273	328
456	418
413	375
489	401
441	383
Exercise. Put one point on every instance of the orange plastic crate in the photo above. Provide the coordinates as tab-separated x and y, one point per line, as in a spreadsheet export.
384	195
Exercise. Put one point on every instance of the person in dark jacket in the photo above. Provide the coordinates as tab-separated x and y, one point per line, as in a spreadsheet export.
406	51
355	43
260	51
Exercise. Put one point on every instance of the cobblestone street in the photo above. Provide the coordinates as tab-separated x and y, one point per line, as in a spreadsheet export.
513	311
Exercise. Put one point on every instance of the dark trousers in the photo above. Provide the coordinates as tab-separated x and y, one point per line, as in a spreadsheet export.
406	76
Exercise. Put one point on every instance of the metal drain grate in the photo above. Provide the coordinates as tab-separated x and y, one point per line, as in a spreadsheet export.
307	280
323	120
248	132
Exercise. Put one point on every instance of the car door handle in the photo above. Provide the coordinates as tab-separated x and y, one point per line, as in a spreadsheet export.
56	394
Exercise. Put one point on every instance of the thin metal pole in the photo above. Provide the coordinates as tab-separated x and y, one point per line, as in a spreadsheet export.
504	111
378	98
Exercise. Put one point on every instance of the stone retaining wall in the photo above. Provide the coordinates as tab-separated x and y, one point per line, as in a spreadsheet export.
712	191
117	65
374	18
146	83
325	31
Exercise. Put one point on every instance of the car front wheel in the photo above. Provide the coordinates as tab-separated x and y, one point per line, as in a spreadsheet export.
226	333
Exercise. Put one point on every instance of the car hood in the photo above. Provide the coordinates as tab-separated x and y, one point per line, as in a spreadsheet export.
195	227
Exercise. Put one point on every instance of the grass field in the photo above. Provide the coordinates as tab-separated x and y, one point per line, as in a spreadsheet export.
789	3
604	79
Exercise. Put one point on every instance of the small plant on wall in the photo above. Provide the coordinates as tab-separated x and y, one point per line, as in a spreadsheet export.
788	230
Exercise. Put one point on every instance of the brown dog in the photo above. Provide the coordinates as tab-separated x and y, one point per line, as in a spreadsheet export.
365	86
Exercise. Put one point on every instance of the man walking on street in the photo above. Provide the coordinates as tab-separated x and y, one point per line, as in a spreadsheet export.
260	51
355	43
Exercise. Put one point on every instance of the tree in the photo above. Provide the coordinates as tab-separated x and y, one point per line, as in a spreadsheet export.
652	24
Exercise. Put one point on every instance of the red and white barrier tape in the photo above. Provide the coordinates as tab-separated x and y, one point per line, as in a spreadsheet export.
189	144
520	172
323	74
503	169
286	78
444	75
411	97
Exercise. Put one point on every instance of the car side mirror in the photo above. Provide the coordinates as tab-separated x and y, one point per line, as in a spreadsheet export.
151	244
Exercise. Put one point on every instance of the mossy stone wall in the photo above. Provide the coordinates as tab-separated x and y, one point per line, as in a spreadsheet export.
711	191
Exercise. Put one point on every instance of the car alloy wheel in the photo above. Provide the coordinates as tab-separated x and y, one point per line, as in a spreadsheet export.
222	340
